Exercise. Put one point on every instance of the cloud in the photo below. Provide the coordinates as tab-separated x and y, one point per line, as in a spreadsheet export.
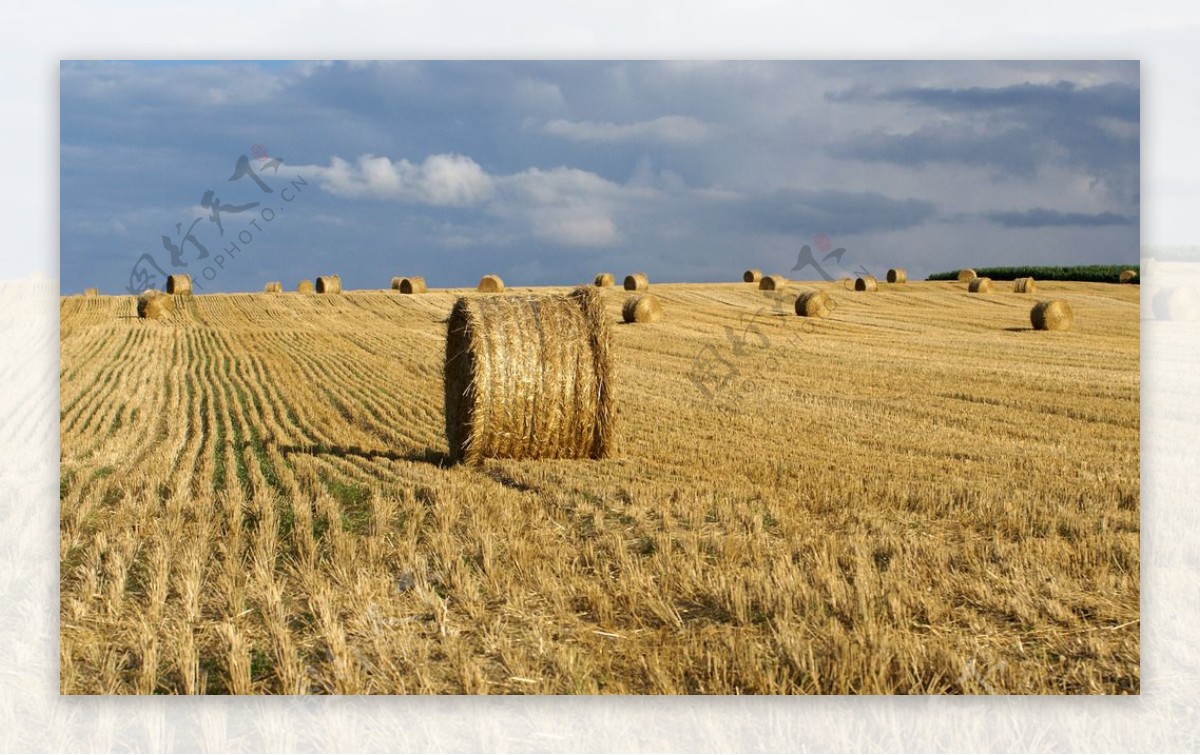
669	129
1043	218
831	212
440	180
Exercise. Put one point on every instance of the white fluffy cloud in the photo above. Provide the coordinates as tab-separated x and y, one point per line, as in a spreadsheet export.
562	205
441	180
669	129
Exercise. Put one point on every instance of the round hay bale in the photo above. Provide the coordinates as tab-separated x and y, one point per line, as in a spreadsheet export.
1177	303
866	283
1128	276
967	274
604	279
329	284
413	285
642	308
1024	286
91	291
980	286
637	282
153	304
490	284
529	377
179	284
274	287
1051	315
304	287
813	303
753	275
897	275
772	283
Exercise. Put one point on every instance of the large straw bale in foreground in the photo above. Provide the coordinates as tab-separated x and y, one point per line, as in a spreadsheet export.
813	303
529	377
967	274
305	287
772	283
897	275
641	308
179	284
753	275
153	304
411	285
490	284
1051	315
329	284
1024	286
980	286
637	282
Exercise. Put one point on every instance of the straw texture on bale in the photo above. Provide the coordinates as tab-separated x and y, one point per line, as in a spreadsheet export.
91	292
491	284
604	279
642	308
179	284
1024	286
305	287
897	275
529	377
980	286
866	283
274	287
413	285
329	284
772	283
814	303
153	304
967	274
1051	315
753	275
1128	276
637	282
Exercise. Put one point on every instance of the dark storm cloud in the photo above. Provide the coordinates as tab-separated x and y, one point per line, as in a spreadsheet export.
1043	218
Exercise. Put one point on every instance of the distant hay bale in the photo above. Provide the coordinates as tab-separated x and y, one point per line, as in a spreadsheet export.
153	304
413	285
274	287
772	283
967	274
1128	276
604	279
329	284
637	282
753	275
897	275
179	284
529	377
1024	286
813	303
642	308
305	287
91	291
1176	303
980	286
490	284
866	283
1051	315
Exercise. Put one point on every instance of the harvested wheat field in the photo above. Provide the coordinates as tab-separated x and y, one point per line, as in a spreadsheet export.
919	493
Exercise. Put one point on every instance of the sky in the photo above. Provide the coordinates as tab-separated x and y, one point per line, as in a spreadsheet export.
547	173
